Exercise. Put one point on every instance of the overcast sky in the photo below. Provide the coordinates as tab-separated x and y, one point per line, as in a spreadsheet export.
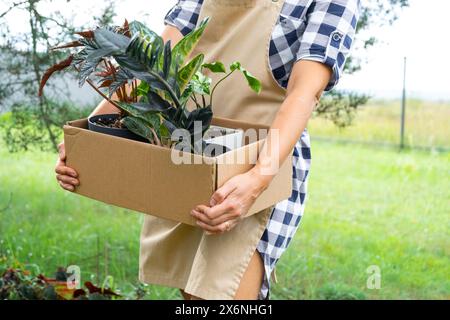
421	34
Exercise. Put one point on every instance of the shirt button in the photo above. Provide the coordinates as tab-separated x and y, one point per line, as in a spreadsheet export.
337	36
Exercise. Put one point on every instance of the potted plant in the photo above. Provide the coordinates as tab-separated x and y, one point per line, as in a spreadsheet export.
149	82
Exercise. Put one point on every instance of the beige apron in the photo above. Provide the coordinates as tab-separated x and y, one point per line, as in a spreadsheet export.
177	255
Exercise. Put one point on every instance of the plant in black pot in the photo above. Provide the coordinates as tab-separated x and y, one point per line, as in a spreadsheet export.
148	81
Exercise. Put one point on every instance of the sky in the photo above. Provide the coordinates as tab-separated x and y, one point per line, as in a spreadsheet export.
419	34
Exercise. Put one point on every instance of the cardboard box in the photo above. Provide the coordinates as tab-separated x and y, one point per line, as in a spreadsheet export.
143	177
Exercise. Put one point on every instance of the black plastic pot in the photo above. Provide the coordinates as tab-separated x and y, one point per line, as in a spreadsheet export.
117	132
127	134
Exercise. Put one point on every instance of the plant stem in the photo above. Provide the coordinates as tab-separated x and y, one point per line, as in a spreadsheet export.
110	68
89	81
204	101
194	98
134	89
157	141
136	85
218	82
119	94
102	94
124	93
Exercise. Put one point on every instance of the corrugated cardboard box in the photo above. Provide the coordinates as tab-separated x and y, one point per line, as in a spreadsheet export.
143	177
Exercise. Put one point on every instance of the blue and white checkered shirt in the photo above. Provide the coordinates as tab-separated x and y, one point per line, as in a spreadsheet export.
318	30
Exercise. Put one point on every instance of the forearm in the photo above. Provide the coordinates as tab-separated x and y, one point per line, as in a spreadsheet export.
286	129
104	107
307	83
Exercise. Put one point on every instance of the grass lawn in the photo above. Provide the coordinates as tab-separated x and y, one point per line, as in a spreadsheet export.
367	206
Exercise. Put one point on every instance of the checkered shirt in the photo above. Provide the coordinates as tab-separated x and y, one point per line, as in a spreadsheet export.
317	30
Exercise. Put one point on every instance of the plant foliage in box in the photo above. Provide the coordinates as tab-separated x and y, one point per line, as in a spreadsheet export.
150	82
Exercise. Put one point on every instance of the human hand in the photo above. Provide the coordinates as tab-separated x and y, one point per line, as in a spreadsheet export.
230	203
66	177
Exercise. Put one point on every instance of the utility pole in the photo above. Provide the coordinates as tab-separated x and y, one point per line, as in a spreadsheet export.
402	125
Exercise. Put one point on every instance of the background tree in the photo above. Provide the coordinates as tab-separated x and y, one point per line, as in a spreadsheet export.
340	106
34	121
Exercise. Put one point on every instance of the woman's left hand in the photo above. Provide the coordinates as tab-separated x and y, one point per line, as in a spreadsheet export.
230	203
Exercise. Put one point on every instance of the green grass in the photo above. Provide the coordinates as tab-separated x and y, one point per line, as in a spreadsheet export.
367	206
426	124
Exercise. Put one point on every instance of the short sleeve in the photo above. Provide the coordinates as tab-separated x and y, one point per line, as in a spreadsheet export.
184	15
329	33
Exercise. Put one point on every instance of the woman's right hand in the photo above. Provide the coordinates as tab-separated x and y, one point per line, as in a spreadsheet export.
67	177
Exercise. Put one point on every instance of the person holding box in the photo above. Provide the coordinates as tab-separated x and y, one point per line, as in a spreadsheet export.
297	48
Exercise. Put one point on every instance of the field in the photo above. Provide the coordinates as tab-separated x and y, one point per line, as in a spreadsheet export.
367	206
426	124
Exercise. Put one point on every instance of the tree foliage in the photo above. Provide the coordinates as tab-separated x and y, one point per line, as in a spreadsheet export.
34	121
338	106
373	13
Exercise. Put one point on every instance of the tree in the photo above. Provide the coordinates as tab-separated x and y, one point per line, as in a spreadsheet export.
33	120
339	106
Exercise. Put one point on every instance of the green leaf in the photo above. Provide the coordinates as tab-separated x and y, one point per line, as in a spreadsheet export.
155	121
138	28
145	111
139	127
114	42
187	72
151	80
154	98
164	131
89	58
144	107
153	43
145	66
204	115
142	89
127	108
86	70
186	45
146	51
235	66
169	126
120	78
167	59
199	84
253	82
216	67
